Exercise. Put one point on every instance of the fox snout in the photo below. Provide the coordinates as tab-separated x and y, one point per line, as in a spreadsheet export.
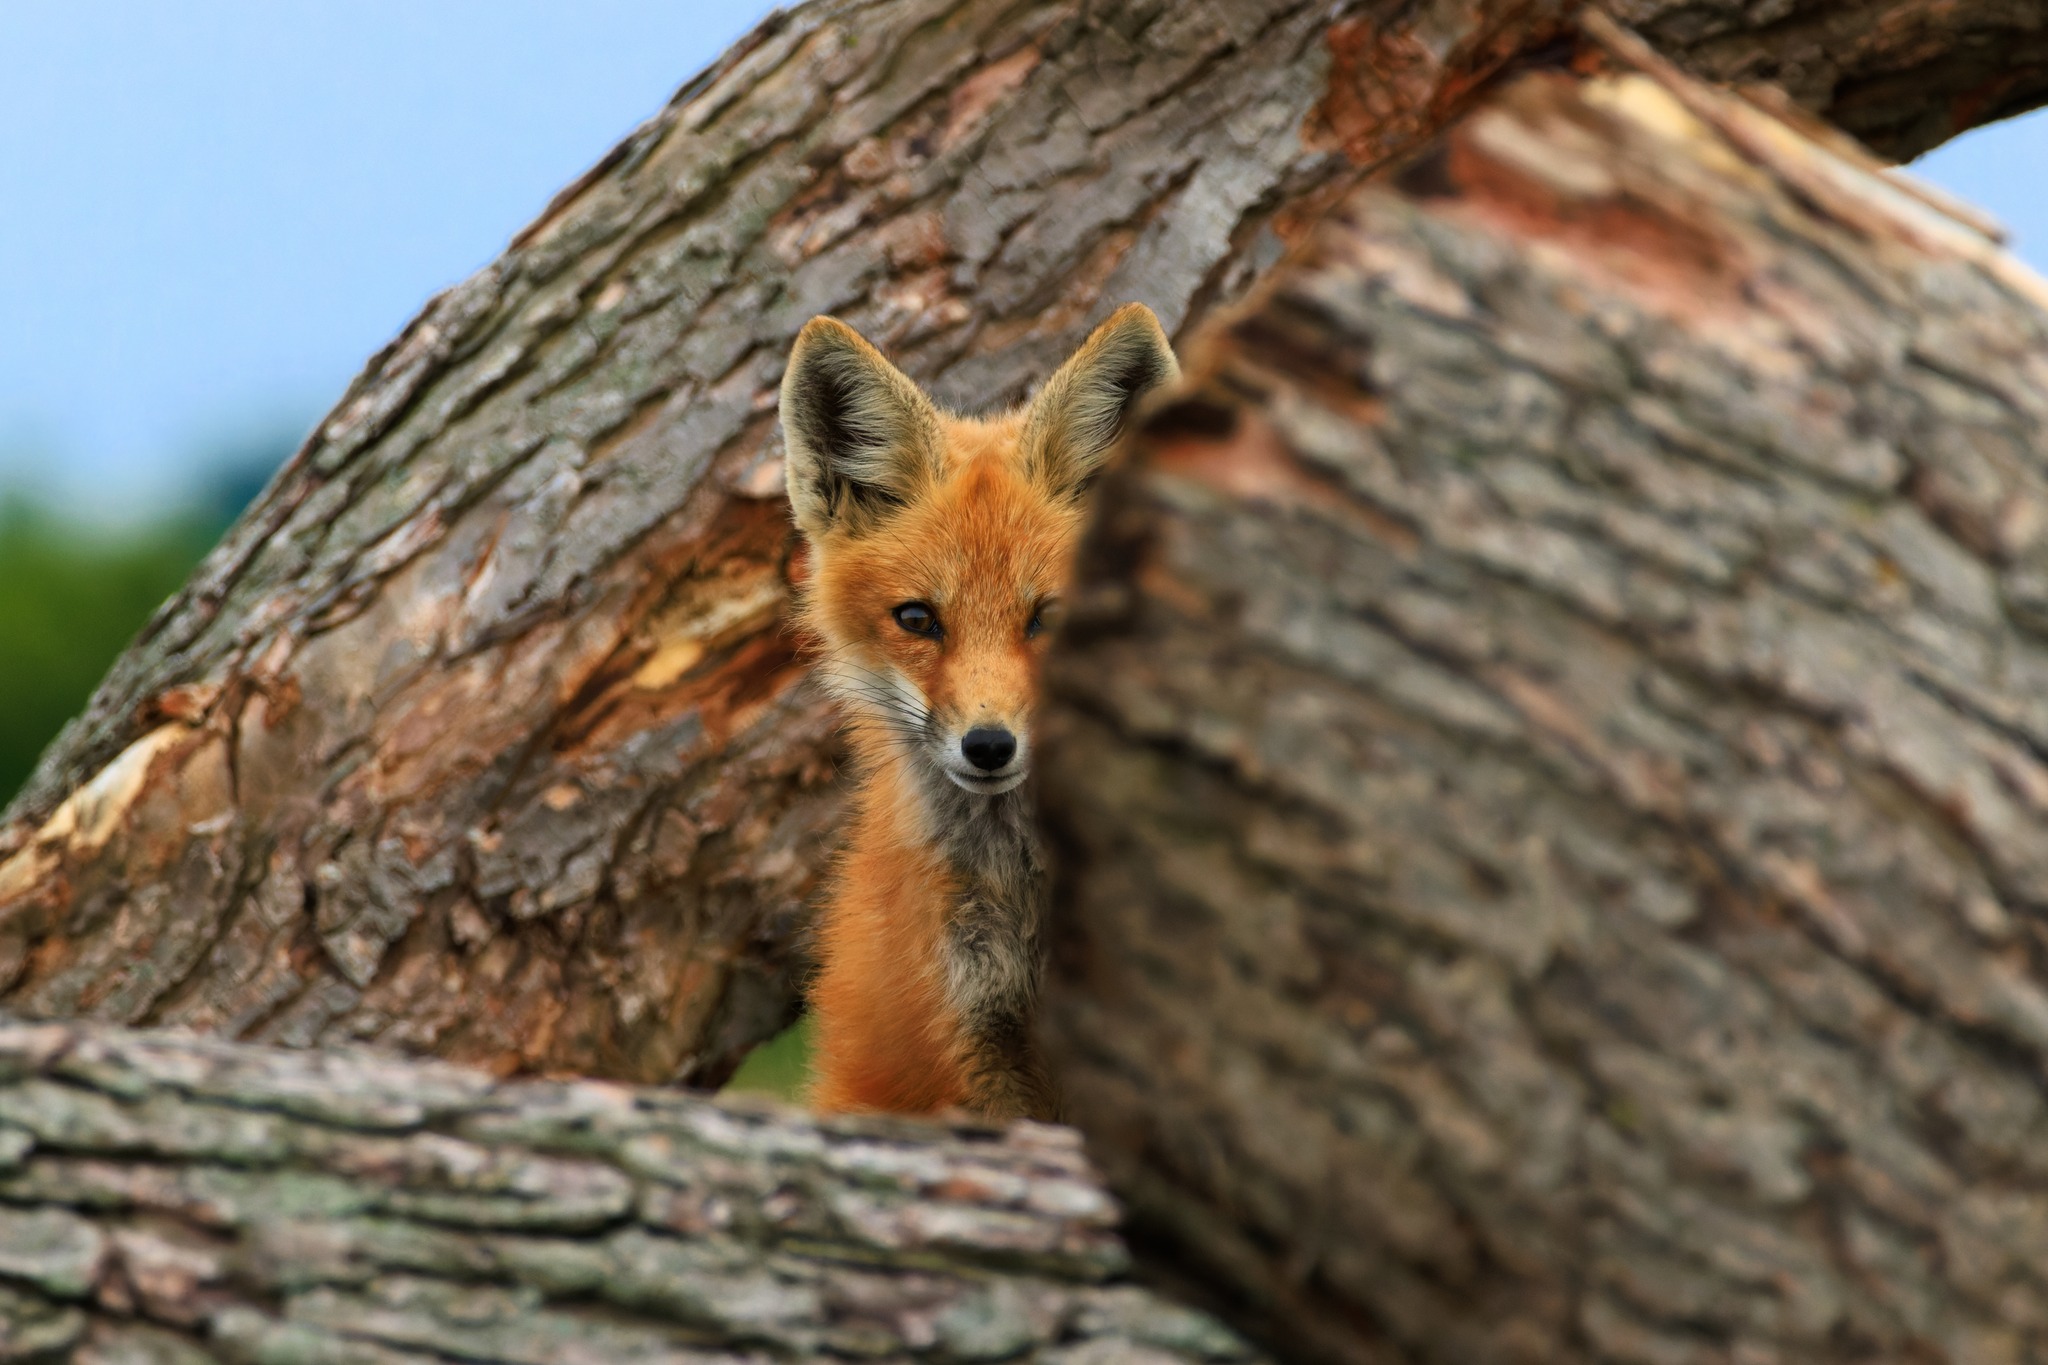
987	758
989	747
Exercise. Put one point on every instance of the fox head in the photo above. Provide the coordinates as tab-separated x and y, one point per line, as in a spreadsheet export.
940	544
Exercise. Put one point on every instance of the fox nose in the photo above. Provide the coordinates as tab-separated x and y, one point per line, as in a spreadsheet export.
988	747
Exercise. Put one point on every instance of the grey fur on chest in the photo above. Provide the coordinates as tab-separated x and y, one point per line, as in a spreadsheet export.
992	938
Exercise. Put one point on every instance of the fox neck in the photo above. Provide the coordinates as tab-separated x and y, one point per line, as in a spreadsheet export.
988	843
990	846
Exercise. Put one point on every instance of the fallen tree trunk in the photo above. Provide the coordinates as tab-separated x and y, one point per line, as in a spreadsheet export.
481	734
1552	765
169	1199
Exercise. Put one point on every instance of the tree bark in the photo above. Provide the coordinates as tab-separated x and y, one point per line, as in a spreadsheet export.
168	1199
482	734
1551	766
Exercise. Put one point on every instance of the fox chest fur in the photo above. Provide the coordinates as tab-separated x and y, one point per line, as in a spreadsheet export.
940	547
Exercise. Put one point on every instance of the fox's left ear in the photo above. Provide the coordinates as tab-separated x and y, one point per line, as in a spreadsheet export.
1077	417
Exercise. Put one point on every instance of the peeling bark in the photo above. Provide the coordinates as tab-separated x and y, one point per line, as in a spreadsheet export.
1549	764
169	1199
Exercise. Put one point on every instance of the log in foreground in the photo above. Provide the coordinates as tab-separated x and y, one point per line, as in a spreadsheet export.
170	1199
480	734
1550	766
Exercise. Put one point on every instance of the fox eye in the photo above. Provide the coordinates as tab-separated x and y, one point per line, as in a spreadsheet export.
917	618
1043	618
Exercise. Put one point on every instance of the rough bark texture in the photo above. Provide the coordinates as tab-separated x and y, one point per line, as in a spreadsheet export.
1552	765
481	734
175	1200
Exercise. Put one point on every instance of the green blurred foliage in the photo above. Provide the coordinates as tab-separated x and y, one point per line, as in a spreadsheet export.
71	598
73	595
780	1067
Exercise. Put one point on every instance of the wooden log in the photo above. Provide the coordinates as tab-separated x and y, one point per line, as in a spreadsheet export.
171	1199
1550	764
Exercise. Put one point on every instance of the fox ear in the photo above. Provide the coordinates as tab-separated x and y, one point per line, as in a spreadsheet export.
860	437
1075	420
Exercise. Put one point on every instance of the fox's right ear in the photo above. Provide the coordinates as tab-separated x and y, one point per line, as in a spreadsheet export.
1076	419
861	439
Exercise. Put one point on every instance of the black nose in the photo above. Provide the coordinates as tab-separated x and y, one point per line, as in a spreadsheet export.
988	747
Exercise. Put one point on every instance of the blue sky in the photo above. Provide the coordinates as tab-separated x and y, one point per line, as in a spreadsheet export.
212	211
2002	168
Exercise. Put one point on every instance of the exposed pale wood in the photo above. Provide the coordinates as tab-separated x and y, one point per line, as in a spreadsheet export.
1551	765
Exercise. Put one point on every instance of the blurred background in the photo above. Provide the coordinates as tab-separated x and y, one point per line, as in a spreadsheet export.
216	210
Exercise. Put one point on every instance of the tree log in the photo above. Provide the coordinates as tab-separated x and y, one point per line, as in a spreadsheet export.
178	1200
481	734
1550	764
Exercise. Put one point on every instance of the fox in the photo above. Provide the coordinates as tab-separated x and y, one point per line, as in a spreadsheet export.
939	550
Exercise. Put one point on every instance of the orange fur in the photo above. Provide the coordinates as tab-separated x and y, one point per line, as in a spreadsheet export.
976	518
988	545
